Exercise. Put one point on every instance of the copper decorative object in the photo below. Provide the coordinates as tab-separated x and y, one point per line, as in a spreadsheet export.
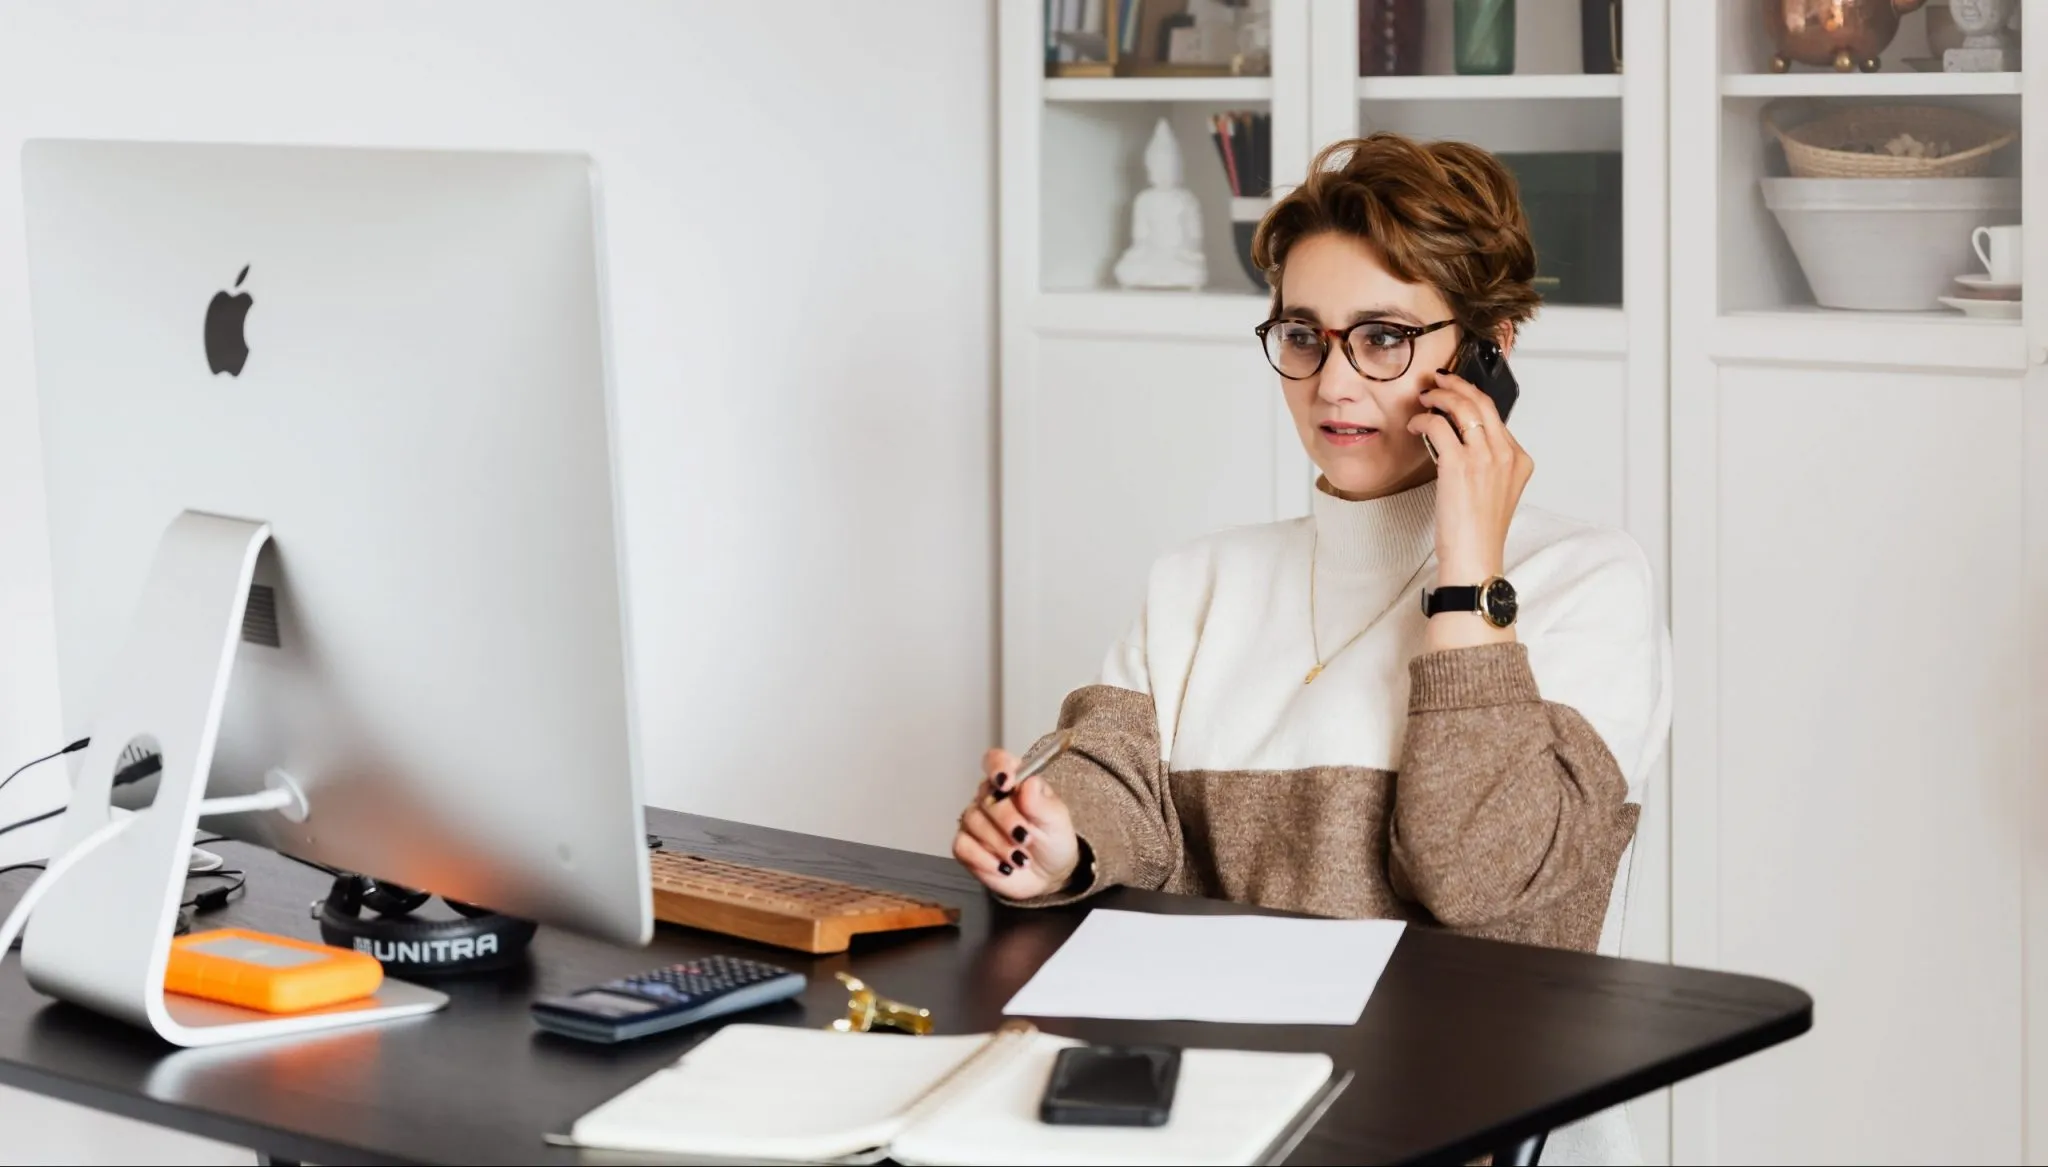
1847	34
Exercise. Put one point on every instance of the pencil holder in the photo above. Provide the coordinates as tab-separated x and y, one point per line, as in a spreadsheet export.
1245	214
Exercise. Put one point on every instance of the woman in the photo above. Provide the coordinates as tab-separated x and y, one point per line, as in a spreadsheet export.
1284	725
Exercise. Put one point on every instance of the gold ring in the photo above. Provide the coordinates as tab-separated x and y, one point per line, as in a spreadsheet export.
1477	425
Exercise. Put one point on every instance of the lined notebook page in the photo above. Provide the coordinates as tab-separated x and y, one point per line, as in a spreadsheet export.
1229	1106
774	1092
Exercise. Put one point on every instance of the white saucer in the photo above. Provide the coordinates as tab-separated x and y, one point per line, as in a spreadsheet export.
1985	283
1985	309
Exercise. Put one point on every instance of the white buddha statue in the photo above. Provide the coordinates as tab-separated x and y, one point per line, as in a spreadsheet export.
1987	47
1166	224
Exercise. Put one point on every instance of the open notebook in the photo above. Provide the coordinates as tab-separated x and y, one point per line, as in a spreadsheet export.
760	1092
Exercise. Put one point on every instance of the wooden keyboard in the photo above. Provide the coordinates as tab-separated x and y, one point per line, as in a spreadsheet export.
778	907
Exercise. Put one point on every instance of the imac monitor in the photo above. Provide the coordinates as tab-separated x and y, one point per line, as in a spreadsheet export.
397	360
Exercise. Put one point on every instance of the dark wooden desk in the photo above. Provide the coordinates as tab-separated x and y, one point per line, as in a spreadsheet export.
1466	1047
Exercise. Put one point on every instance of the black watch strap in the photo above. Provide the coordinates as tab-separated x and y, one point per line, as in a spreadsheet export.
1451	599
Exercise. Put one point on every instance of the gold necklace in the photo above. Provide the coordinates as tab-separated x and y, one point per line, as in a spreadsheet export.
1315	542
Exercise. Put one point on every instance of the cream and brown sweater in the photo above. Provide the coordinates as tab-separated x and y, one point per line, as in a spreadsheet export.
1490	790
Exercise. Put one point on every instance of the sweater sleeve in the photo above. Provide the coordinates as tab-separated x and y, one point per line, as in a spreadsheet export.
1113	780
1511	812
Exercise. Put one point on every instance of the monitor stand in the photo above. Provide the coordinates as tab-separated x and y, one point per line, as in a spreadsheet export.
101	935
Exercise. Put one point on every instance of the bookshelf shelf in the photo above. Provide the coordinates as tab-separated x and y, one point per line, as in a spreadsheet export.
1804	335
1870	84
1516	87
1159	89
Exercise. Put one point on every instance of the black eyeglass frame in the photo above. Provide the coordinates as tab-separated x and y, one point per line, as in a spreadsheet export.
1409	332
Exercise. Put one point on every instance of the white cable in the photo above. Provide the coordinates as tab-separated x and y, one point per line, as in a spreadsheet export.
51	874
274	799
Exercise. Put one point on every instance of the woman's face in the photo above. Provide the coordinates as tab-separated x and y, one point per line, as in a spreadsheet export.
1356	429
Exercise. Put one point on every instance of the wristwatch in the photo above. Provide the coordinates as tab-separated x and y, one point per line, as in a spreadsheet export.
1493	599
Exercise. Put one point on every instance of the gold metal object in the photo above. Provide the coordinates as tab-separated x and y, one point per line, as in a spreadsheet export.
1844	34
1486	611
867	1010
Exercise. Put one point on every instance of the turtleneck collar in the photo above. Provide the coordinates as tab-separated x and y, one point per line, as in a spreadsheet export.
1390	533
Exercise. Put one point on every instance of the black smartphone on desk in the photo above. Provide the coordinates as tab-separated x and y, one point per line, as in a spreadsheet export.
1111	1085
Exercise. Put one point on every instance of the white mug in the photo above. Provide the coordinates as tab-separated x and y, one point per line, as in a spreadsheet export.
1999	248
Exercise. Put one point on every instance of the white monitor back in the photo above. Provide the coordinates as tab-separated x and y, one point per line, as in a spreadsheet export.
424	418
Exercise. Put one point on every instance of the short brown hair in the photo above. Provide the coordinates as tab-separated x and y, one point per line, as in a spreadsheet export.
1445	214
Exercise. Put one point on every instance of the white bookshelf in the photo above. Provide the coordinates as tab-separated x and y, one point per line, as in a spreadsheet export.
1726	74
1513	87
1813	337
1156	89
1882	84
1797	454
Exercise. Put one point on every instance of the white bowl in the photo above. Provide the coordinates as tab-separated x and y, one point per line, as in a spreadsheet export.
1890	244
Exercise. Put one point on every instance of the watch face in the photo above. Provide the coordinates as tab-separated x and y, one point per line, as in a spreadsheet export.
1500	603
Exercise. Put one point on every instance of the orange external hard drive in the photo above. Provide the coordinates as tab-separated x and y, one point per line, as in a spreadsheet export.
275	974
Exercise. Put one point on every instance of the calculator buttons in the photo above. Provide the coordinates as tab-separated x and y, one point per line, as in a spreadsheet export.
678	995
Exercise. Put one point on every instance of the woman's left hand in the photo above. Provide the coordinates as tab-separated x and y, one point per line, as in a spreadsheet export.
1480	473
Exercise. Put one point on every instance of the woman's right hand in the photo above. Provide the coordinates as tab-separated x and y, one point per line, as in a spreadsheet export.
1019	841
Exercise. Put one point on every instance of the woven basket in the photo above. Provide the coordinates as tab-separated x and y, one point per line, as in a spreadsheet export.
1828	146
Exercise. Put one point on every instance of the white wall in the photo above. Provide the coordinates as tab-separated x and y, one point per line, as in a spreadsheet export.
813	528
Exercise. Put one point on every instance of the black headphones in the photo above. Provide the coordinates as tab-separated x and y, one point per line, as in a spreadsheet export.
479	941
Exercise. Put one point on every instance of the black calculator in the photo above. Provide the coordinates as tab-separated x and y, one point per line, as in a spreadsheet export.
666	998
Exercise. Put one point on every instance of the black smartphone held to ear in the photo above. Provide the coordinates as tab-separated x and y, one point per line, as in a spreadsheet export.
1111	1085
1487	368
1483	364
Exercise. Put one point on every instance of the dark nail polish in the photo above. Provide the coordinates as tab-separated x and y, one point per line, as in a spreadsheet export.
1002	780
1017	857
1017	833
1001	795
1443	372
1004	868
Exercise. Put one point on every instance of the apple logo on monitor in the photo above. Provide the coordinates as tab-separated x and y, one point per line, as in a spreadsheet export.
226	349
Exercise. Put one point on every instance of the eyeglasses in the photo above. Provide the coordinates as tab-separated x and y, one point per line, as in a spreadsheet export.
1380	350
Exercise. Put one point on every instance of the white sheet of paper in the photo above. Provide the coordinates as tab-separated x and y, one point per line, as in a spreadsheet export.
1262	970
